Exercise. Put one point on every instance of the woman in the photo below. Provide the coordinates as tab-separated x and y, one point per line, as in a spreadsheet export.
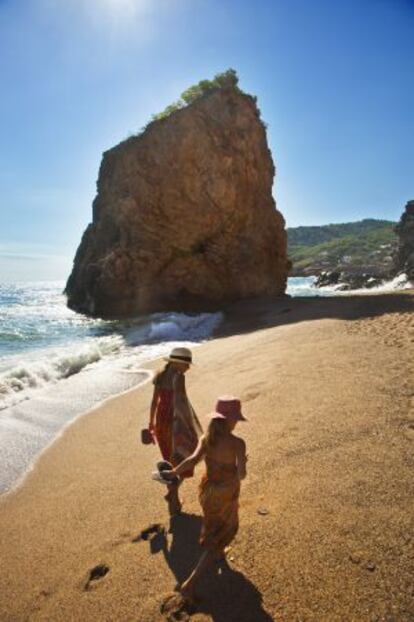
173	422
225	458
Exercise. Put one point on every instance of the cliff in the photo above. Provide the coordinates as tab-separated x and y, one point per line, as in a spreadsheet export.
405	233
184	216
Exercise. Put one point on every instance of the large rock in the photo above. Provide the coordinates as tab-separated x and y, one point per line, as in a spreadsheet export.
184	216
405	232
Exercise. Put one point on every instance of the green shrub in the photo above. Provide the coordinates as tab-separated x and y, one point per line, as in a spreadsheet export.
227	79
338	246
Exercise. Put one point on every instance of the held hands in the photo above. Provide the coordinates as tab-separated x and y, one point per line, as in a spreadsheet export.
169	475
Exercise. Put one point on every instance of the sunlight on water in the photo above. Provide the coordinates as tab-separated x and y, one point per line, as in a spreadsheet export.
56	364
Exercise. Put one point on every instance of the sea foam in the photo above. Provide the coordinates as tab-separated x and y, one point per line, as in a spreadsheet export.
56	364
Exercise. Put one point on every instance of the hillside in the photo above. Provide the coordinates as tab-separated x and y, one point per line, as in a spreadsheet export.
365	245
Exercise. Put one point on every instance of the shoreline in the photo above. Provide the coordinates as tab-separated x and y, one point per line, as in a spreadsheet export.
223	327
20	481
44	407
227	326
326	384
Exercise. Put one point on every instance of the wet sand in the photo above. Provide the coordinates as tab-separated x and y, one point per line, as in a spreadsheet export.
327	510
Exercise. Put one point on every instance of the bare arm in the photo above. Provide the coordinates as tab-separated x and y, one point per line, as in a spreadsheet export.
191	461
241	458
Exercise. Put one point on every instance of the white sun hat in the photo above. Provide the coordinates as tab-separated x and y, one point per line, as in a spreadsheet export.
180	355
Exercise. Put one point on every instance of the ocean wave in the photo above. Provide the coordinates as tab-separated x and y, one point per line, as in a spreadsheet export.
305	286
56	364
399	282
300	286
13	336
129	344
176	327
51	366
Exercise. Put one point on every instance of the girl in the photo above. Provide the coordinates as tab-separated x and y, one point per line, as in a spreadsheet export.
173	422
225	458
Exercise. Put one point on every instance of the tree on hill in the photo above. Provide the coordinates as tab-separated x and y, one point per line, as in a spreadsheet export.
312	235
342	246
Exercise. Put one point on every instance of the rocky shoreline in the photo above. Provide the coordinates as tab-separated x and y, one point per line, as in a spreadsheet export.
405	231
346	280
352	275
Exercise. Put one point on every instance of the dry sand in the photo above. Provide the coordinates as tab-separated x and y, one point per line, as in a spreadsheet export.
326	511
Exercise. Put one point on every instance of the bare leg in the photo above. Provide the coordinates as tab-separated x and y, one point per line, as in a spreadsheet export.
187	588
174	503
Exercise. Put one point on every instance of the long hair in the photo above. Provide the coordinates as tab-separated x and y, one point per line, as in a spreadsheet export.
217	428
160	373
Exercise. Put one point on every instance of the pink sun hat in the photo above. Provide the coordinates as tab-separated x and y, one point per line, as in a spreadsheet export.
228	407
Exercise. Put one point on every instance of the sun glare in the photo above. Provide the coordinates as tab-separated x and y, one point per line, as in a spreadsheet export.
129	8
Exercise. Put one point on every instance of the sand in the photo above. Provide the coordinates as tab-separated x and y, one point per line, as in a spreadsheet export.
327	510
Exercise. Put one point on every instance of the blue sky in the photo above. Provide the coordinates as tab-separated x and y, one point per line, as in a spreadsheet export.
334	80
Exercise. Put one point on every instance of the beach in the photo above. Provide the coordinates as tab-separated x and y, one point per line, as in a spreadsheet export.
56	364
327	510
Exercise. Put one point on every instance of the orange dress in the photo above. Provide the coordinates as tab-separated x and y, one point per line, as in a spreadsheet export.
219	497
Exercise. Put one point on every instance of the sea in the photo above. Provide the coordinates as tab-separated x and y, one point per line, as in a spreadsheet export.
56	364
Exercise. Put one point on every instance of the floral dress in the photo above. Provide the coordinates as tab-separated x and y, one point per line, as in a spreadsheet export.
177	428
219	497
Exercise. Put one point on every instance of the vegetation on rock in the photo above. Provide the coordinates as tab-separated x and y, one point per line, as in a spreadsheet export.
344	246
227	79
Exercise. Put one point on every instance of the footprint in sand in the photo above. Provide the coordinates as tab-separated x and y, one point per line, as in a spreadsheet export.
253	391
249	397
95	574
145	534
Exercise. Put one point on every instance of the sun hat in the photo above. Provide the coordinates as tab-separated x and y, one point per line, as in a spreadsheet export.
228	407
180	355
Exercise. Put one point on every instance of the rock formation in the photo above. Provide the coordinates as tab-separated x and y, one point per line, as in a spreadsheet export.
343	280
184	217
405	231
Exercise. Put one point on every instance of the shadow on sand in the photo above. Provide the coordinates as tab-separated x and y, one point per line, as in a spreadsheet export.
265	312
225	594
